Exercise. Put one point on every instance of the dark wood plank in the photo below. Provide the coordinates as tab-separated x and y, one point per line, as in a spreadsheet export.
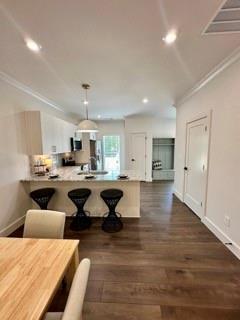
205	276
173	295
94	291
180	313
163	260
125	273
117	311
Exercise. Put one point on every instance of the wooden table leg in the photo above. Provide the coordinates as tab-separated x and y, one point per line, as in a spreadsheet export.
72	268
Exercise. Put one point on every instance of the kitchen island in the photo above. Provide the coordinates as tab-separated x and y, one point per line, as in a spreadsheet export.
72	178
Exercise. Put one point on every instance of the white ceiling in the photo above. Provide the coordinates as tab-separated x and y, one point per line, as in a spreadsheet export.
116	46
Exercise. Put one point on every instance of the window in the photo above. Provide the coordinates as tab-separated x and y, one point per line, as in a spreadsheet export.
111	153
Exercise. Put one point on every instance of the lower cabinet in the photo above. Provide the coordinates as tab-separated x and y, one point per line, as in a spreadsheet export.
163	175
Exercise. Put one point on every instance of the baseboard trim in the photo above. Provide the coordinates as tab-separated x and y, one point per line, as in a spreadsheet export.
178	195
234	248
12	227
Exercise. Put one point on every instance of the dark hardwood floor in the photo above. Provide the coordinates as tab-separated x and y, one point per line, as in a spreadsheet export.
166	265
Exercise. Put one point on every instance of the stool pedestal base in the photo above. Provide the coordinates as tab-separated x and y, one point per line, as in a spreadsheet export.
112	223
80	222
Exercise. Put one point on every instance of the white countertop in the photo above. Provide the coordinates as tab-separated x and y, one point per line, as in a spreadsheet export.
71	174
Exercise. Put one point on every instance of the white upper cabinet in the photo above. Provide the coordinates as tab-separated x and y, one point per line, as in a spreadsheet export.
46	134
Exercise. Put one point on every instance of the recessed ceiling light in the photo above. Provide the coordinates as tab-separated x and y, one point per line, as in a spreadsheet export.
145	100
170	37
32	45
85	102
99	116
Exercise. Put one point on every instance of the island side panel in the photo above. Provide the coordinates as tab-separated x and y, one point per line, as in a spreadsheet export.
129	205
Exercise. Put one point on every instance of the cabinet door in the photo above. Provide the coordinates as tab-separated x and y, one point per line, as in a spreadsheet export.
47	126
65	140
68	131
58	135
52	134
33	132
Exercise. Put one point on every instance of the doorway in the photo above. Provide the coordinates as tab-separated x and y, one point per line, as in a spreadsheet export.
138	154
196	165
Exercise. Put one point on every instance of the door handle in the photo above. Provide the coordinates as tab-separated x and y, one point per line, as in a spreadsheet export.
186	168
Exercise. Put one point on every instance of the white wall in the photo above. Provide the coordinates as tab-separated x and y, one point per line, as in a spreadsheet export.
222	96
14	163
153	127
13	167
114	127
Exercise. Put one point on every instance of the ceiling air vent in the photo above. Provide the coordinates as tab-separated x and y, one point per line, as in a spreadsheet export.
227	19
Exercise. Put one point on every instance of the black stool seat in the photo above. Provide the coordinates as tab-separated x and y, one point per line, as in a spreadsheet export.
112	220
112	194
81	220
42	196
79	193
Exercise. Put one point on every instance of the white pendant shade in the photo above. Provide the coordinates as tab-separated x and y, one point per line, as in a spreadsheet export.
87	126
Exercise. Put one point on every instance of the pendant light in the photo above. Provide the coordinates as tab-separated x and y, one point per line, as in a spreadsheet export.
87	125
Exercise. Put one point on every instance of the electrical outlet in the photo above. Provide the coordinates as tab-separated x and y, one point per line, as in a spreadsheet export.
227	221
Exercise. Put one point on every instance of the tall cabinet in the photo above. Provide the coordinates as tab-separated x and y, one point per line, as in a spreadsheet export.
163	158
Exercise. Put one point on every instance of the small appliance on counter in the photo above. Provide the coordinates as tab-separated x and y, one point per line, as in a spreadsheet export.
68	161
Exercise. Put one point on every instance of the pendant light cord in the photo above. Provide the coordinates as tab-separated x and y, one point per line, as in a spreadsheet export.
86	99
87	112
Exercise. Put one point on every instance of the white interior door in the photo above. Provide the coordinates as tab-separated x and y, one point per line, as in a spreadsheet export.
138	154
196	165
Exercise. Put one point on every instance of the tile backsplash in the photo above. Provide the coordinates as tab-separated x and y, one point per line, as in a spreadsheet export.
48	162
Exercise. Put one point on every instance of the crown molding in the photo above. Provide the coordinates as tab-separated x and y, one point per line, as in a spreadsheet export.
20	86
227	62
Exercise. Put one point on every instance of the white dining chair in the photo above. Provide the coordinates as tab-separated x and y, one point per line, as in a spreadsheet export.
44	224
74	305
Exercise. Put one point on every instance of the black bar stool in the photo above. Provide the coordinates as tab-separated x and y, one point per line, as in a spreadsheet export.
81	220
42	196
112	220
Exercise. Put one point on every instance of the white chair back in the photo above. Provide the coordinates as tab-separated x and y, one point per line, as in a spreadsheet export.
44	224
74	306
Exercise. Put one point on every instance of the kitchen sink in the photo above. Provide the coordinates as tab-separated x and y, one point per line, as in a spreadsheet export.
92	172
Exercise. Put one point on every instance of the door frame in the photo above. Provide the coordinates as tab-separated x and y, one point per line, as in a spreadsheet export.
145	167
208	116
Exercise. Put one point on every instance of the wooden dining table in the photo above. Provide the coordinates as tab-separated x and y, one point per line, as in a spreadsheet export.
31	271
